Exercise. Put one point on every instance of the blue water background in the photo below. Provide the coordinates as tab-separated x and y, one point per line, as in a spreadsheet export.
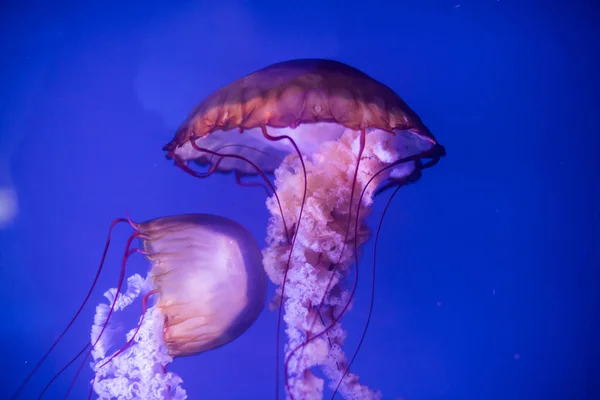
487	274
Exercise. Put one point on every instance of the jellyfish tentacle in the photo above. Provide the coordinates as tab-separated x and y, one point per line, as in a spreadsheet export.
434	153
336	264
243	146
295	235
130	221
237	157
164	371
333	270
63	369
211	170
144	308
130	341
239	175
127	254
77	313
238	180
372	298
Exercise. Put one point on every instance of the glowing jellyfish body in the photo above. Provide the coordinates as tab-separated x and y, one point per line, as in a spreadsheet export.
331	135
210	285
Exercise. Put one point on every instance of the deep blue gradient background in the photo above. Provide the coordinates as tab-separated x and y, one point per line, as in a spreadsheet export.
487	275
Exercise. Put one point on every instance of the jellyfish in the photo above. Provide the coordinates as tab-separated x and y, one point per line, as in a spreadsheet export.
208	286
331	137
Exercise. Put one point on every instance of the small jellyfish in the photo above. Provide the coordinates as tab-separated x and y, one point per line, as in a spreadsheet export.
208	285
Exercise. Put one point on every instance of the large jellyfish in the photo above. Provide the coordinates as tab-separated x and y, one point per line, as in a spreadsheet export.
208	286
331	135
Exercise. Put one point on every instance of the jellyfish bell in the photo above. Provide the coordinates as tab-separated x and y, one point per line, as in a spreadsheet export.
313	101
209	276
330	135
208	286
